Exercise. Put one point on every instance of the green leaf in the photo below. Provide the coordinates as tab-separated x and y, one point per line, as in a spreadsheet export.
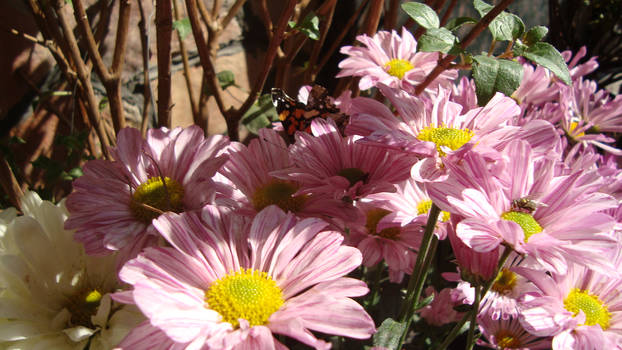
310	26
505	26
260	114
425	302
103	103
183	27
225	79
457	22
436	39
422	14
535	34
492	75
75	173
389	334
546	55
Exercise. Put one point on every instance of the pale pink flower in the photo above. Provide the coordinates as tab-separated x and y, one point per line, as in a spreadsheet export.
326	163
195	293
586	112
552	219
389	59
581	309
110	206
508	334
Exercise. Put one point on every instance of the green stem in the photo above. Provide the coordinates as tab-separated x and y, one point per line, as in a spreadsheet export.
469	344
375	284
454	331
420	271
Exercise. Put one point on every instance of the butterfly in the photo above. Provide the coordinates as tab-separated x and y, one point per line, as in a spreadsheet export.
297	116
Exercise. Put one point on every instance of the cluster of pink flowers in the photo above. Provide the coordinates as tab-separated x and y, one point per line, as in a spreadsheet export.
223	244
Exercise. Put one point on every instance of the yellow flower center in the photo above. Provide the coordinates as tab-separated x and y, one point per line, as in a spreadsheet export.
279	193
154	197
525	220
573	126
82	306
505	282
397	67
506	339
442	136
595	310
353	175
424	207
373	217
247	294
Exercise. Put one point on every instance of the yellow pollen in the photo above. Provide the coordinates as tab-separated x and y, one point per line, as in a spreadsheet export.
373	217
525	220
573	126
505	282
424	207
353	175
507	340
247	294
442	136
398	67
595	310
82	306
279	193
152	198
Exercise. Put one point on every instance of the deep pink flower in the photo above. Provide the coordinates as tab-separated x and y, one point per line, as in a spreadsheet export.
328	164
114	202
225	285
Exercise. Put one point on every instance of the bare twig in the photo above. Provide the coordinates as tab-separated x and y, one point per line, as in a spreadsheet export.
373	17
144	43
475	31
164	32
110	78
233	119
341	35
447	13
83	75
231	14
184	56
327	10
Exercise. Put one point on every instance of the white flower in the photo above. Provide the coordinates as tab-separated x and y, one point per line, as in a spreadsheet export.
52	295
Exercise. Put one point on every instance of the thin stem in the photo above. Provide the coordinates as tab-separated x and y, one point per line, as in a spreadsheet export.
475	32
340	37
144	43
373	17
478	295
420	271
84	76
454	331
164	32
184	57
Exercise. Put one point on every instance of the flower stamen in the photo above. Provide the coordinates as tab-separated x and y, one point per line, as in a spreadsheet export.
247	294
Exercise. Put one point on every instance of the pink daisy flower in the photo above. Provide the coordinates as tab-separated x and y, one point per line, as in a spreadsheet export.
585	112
394	243
329	164
252	187
114	202
392	60
441	310
225	285
552	219
581	309
509	334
